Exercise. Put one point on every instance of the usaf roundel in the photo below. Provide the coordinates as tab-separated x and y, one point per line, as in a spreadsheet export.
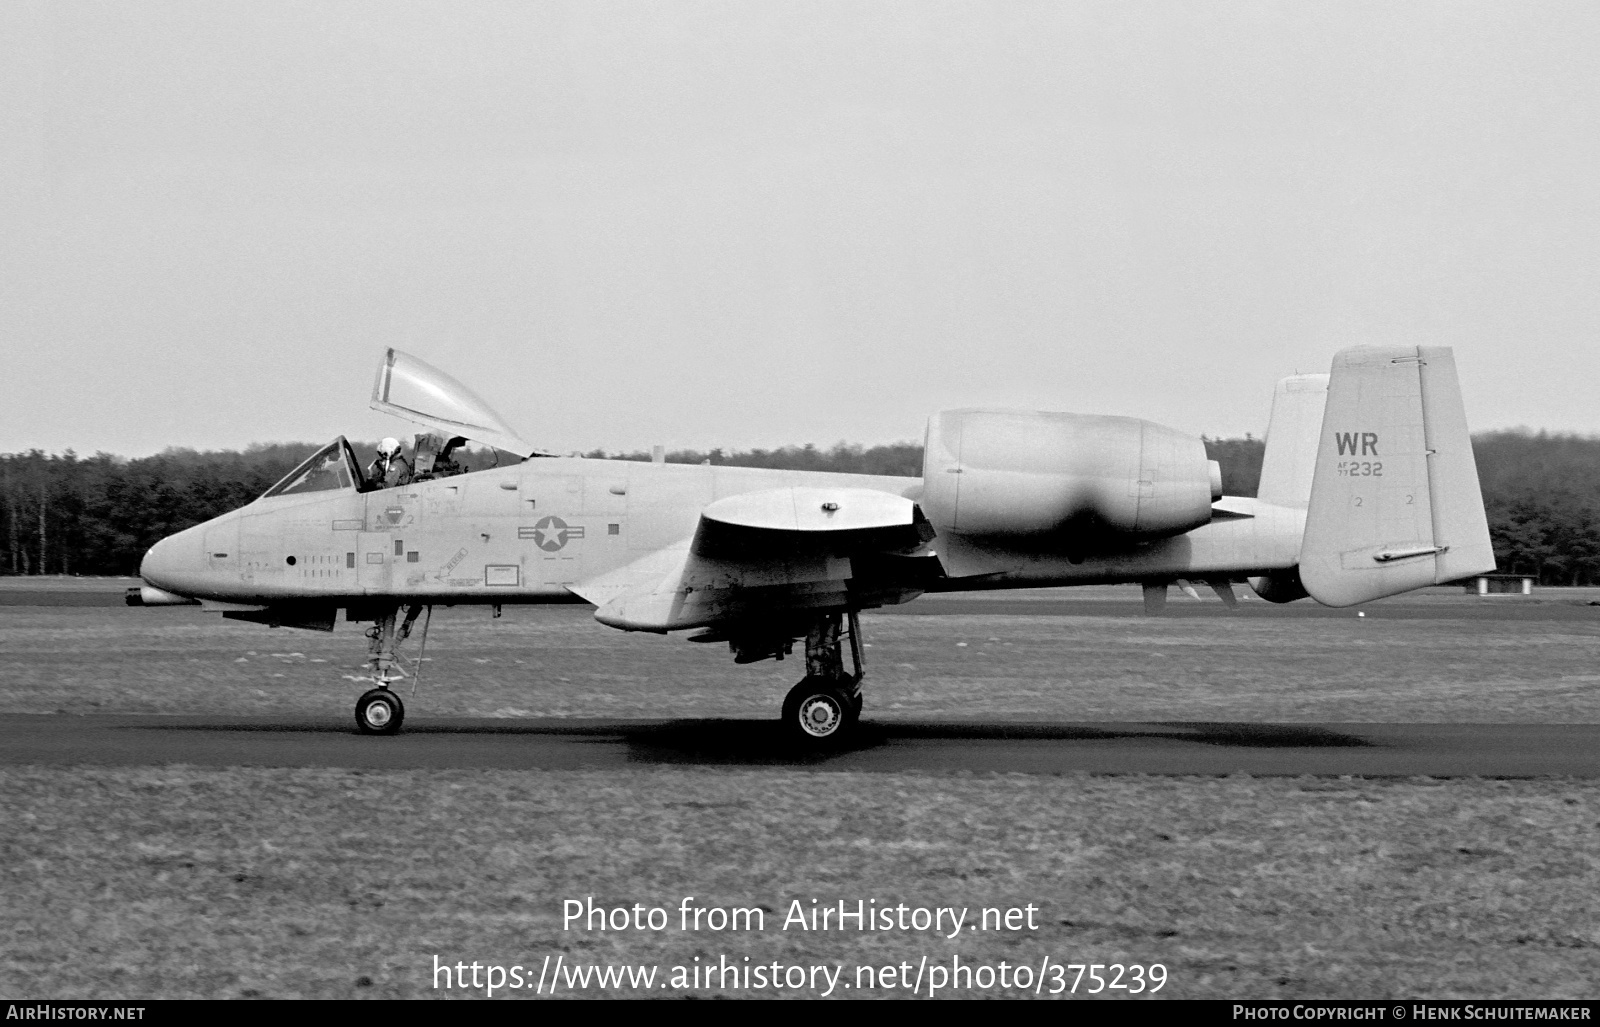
551	533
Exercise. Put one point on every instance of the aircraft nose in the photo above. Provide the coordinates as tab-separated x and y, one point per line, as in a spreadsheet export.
175	561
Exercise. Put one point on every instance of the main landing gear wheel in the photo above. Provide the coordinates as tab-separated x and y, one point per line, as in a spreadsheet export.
819	713
379	712
822	711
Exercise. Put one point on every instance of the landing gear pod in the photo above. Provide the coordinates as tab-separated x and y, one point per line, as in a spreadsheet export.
1280	586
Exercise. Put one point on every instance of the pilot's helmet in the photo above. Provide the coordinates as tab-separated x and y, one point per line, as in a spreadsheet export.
389	447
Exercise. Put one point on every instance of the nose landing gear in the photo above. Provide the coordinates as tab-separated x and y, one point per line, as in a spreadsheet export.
823	710
379	711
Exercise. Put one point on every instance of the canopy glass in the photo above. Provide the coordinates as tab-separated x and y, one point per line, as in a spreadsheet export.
331	467
417	391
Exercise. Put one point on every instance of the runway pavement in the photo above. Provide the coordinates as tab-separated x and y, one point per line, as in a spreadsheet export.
1373	750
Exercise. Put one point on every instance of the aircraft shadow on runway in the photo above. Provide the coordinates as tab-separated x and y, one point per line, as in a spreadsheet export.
763	742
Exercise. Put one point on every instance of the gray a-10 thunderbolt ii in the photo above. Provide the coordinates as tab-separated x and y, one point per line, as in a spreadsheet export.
1368	489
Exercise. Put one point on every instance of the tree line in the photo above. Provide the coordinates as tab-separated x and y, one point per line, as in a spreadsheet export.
66	514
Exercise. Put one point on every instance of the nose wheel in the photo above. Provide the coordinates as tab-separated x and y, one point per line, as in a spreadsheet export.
379	712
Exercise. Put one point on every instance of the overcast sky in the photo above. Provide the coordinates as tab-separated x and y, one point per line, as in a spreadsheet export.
750	224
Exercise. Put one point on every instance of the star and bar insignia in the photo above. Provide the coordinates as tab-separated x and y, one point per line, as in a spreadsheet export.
551	533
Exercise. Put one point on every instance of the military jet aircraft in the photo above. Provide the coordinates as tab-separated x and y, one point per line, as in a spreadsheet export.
1368	489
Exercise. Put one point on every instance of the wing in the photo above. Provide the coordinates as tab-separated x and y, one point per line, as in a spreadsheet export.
761	553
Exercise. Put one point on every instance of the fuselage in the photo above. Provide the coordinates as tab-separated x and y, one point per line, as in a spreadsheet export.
528	533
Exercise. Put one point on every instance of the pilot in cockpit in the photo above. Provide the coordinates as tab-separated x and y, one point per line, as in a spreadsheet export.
389	468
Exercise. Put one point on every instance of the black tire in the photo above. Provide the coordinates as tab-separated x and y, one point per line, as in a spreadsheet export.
379	712
819	714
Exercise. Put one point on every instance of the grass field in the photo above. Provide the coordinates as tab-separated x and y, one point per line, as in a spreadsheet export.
178	881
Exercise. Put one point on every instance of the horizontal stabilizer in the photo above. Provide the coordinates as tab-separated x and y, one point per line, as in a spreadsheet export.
1395	503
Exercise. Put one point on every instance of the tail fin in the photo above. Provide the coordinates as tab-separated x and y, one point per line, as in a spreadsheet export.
1292	434
1395	503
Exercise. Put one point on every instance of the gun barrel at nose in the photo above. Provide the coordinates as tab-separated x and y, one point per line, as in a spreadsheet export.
149	595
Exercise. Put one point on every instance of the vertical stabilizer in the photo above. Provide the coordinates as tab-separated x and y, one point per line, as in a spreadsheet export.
1290	458
1395	503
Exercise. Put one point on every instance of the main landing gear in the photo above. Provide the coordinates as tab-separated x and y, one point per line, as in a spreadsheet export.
379	711
822	710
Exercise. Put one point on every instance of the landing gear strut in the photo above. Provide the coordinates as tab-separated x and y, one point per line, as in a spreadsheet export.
379	711
823	709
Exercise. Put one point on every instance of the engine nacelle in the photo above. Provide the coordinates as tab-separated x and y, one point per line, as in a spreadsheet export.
1034	473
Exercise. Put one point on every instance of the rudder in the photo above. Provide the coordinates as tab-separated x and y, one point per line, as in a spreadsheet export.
1395	503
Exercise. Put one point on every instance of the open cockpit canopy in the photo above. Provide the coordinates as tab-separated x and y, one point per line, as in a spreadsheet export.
332	467
417	391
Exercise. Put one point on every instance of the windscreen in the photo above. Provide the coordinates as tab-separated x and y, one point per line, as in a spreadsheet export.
417	391
331	467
